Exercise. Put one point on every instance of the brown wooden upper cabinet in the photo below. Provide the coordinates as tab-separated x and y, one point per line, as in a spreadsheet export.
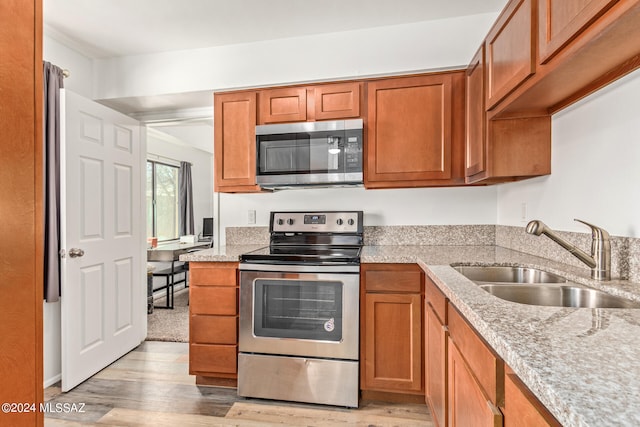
501	150
235	142
319	102
543	55
475	116
283	105
336	101
561	20
510	50
415	131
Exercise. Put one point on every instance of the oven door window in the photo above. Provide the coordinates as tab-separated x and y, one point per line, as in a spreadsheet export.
298	309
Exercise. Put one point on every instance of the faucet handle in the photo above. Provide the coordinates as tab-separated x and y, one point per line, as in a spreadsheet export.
596	232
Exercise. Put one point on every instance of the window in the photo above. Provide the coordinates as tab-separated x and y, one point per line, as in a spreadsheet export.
162	200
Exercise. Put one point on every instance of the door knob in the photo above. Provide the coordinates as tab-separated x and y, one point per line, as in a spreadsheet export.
75	253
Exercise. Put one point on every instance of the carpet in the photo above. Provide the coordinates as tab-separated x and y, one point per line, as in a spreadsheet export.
170	325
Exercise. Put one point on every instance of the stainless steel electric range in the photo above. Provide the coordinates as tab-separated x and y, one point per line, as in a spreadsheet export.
299	310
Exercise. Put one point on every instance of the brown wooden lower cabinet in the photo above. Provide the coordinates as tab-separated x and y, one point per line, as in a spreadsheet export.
213	358
521	408
468	405
213	322
435	348
391	357
480	389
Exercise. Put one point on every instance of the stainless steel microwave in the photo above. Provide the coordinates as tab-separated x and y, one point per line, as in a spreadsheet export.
327	153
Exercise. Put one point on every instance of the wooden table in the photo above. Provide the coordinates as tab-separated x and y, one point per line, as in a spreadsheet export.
170	252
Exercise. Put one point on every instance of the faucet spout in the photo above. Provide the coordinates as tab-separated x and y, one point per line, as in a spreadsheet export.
600	258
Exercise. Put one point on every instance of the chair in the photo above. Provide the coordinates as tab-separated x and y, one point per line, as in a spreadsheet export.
169	275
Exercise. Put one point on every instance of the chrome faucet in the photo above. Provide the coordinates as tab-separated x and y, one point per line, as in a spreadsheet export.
600	259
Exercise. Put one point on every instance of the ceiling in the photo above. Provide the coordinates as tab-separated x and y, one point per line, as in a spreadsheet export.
108	28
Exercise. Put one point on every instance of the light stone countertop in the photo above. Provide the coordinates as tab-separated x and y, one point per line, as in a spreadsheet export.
583	364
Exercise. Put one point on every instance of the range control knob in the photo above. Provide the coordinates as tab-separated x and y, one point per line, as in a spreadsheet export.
290	221
280	221
339	221
351	221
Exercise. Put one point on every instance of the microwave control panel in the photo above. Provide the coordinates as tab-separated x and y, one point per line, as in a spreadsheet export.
353	151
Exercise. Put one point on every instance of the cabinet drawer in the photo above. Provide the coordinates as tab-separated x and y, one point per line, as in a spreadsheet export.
213	300
205	329
213	274
485	365
392	277
208	358
436	299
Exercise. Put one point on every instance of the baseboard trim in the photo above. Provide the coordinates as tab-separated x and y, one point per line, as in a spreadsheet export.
52	381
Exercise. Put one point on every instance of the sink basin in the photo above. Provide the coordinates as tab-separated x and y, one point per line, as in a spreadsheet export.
499	274
558	296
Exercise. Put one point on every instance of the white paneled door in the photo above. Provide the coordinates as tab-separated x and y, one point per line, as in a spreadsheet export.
103	265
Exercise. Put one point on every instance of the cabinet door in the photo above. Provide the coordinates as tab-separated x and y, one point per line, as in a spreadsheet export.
435	366
393	354
475	117
409	131
235	142
562	20
468	406
487	367
283	105
521	408
336	101
510	50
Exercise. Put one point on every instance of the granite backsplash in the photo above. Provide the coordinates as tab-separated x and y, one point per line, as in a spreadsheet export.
625	251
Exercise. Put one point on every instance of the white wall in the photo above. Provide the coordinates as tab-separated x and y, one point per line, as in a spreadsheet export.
412	206
383	50
80	67
595	167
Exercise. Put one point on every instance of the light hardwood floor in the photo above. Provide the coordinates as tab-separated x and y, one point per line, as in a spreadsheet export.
151	386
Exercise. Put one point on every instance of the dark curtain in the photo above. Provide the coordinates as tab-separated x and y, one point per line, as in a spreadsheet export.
53	82
185	203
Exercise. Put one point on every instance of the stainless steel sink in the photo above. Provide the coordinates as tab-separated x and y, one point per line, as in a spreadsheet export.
499	274
558	296
537	287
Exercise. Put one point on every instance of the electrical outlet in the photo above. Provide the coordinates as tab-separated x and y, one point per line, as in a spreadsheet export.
251	216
